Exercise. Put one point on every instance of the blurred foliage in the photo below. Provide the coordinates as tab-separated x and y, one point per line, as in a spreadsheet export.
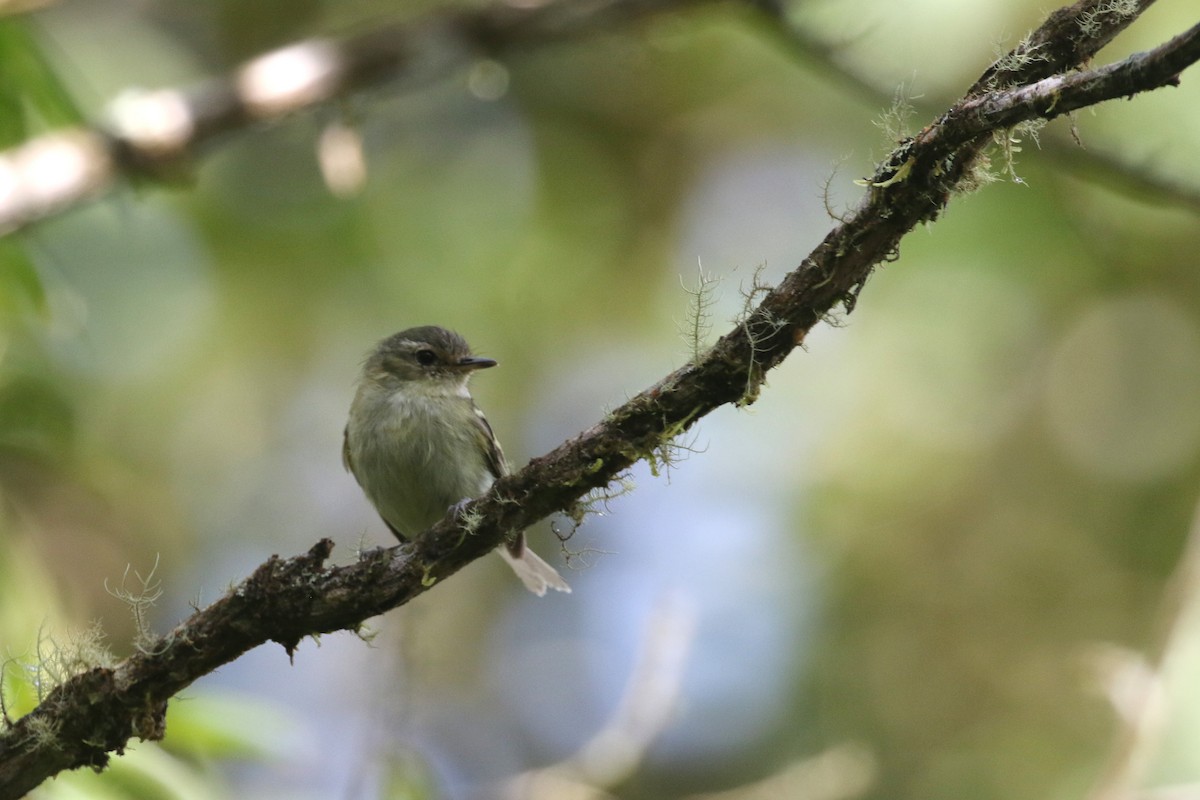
896	570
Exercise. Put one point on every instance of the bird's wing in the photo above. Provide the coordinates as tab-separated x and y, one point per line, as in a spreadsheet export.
491	445
347	461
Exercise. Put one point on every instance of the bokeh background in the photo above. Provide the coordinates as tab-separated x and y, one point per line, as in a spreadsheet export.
922	565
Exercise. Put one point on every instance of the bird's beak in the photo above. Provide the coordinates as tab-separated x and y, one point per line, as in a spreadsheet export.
476	362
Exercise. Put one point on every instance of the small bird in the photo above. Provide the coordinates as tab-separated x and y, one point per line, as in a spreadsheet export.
418	445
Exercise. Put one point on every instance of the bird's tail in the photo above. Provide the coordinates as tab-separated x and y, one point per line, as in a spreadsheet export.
536	574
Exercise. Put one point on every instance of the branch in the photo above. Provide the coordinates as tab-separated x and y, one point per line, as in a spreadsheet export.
1067	153
95	713
1061	94
155	134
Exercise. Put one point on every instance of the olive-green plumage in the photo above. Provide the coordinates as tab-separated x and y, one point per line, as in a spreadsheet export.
418	445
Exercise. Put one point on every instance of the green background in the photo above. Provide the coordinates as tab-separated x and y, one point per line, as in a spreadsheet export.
917	567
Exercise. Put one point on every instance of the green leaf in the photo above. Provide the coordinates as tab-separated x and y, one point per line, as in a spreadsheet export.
30	86
36	418
12	112
21	290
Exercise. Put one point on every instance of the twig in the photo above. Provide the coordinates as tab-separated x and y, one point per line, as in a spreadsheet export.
154	134
643	713
1066	153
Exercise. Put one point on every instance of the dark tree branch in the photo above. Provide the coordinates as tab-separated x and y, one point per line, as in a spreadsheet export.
1060	94
95	713
1066	152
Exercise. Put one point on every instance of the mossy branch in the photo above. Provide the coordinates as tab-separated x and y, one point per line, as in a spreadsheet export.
94	713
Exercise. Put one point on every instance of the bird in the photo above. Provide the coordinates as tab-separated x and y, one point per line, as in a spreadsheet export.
418	445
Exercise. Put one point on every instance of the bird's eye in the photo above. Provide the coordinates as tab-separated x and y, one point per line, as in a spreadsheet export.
426	358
